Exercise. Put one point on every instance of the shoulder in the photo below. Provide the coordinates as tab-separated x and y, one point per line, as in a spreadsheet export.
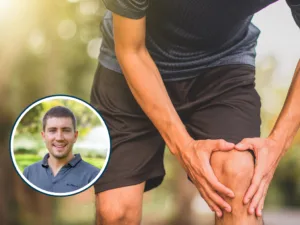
34	165
134	9
32	168
88	167
89	171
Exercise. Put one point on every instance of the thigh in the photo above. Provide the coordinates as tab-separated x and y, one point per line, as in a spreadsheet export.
137	148
231	109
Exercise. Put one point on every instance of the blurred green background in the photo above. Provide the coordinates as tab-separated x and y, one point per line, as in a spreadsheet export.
92	142
51	47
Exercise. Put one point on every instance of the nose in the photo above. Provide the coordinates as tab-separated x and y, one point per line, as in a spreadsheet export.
59	135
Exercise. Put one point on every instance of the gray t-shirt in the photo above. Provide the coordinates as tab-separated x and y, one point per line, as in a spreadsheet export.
186	36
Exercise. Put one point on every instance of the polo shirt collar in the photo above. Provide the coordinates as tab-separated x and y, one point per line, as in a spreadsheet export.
73	162
45	160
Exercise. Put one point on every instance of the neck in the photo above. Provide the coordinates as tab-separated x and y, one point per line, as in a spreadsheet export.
56	164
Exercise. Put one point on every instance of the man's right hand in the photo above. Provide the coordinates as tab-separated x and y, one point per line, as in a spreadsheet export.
195	159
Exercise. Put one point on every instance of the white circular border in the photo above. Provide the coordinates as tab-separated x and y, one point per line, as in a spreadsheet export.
49	98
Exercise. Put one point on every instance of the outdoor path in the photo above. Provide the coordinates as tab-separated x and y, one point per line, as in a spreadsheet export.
282	217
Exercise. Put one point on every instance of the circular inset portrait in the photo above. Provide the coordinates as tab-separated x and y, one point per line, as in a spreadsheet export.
60	145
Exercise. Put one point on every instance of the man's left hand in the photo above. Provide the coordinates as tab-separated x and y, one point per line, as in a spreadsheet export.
267	152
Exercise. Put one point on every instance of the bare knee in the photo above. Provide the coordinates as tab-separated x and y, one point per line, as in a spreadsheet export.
234	169
119	206
115	215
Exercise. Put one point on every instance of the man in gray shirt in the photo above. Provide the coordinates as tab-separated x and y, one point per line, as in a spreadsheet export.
182	73
60	170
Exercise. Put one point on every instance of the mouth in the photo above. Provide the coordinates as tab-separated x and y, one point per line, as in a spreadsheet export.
59	146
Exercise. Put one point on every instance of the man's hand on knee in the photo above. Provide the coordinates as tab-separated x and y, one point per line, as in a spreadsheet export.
235	170
268	153
195	159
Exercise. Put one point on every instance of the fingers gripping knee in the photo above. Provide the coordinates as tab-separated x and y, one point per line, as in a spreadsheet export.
234	169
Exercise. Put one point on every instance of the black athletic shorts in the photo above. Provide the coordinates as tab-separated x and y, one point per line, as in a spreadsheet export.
220	103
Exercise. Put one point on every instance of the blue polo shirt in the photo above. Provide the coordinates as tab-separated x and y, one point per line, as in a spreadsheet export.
72	176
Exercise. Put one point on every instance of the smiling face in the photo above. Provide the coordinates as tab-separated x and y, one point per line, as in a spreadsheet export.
59	136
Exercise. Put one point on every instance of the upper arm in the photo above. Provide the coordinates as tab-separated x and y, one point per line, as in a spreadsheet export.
129	34
128	23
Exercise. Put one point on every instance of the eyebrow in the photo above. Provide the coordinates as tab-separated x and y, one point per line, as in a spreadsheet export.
63	128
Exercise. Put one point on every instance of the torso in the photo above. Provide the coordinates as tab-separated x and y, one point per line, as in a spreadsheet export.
184	36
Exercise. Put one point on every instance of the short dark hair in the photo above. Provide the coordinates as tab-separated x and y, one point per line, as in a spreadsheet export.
59	111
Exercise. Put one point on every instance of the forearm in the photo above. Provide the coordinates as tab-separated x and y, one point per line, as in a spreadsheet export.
147	87
288	121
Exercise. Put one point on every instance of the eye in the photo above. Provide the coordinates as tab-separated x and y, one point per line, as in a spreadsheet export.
67	130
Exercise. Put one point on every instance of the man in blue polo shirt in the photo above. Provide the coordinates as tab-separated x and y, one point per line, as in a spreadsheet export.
60	170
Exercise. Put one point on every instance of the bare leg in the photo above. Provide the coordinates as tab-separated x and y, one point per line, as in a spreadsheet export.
120	206
235	170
